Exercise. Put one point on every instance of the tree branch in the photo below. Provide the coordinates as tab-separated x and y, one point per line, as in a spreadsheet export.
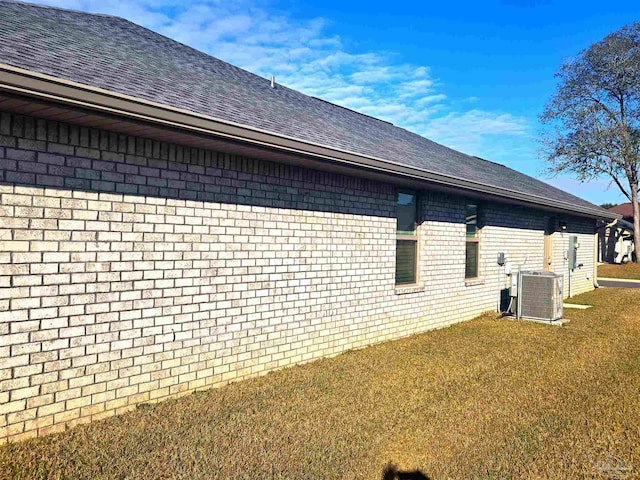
608	110
620	186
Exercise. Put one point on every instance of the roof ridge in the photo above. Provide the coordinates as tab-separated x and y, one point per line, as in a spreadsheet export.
137	25
346	108
194	50
209	56
52	7
490	161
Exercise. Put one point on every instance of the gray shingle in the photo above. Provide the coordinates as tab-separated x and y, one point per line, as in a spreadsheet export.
115	54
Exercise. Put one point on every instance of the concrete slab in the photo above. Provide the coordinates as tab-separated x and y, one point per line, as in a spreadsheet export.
577	306
556	323
618	283
609	279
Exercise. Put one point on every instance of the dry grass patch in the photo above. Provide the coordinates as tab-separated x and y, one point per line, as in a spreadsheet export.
628	270
483	399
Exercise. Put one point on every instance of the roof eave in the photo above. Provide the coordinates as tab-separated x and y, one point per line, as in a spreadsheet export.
50	88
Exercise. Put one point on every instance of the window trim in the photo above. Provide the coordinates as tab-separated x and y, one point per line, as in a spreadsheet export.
475	239
415	237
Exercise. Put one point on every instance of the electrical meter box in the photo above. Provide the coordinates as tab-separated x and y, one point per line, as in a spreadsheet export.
513	288
572	253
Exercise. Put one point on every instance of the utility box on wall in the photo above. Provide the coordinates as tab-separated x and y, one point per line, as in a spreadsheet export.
572	253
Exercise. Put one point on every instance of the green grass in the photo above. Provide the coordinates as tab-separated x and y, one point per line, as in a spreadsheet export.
483	399
628	270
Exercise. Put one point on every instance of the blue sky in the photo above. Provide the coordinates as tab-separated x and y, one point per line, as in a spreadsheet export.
471	75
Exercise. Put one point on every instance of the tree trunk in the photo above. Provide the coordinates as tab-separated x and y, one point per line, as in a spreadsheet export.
636	220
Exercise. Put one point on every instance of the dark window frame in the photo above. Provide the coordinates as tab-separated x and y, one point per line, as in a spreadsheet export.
408	236
472	238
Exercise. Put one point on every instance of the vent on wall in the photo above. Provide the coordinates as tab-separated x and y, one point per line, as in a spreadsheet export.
540	295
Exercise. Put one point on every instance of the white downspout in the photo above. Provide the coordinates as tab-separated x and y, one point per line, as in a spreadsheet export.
595	257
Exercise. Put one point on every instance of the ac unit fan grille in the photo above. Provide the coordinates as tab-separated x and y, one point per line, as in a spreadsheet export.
540	296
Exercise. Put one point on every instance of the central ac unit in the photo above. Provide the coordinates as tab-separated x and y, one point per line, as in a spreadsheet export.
540	295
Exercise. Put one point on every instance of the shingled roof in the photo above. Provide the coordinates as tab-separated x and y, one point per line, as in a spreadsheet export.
117	55
624	209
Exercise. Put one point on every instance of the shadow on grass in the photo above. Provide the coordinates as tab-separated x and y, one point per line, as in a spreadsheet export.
390	472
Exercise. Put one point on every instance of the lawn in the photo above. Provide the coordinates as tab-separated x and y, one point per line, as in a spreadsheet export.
483	399
628	270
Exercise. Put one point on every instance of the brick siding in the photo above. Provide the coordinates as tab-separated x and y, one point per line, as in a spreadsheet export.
133	270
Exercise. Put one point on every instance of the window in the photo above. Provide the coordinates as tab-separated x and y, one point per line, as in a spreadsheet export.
473	242
406	239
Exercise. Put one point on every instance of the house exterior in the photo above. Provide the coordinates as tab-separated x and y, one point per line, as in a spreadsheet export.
616	237
625	210
169	222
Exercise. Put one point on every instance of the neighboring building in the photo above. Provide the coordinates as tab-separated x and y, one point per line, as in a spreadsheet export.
170	222
625	210
616	238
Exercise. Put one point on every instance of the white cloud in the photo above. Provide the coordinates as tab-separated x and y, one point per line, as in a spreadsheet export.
302	55
440	97
416	87
468	130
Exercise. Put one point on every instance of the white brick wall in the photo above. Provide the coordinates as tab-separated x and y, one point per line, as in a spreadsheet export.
133	270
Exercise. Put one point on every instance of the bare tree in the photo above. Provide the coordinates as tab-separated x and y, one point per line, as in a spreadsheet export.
593	118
